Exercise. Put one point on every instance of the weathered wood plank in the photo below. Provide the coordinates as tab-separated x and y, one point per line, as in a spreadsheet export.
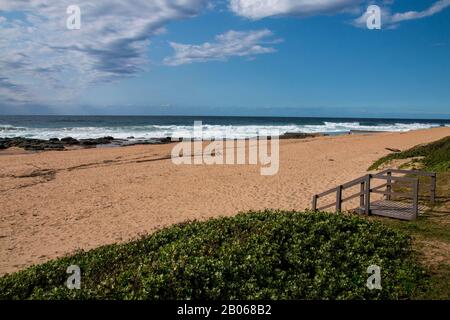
395	209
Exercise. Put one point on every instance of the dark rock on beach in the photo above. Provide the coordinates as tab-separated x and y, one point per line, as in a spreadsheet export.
96	141
69	141
62	144
31	144
393	150
300	135
165	140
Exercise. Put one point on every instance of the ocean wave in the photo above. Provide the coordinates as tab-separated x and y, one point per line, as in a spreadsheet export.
208	130
8	127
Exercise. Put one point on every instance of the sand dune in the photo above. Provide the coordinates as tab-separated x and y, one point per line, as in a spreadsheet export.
54	203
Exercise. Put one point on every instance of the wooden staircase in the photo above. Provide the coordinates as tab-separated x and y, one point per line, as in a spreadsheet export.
407	208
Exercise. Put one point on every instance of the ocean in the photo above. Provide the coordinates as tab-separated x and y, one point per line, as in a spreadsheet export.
148	127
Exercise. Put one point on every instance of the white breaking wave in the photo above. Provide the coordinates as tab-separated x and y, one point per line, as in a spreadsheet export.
347	126
208	131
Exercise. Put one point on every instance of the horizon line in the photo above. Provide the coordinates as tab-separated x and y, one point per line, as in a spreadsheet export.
223	116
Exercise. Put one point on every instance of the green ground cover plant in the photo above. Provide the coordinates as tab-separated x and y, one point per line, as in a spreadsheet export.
254	255
434	156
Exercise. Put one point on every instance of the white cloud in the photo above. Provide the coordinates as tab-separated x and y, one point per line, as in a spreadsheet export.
258	9
229	44
410	15
391	20
41	58
41	61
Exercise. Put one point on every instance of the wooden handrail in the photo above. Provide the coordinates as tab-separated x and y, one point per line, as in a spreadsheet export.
344	186
338	190
392	178
366	190
353	182
432	176
416	172
323	194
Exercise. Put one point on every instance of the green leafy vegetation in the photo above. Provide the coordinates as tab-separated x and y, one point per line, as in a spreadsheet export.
255	255
434	156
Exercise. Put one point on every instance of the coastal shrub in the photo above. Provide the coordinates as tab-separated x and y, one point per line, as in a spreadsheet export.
255	255
436	156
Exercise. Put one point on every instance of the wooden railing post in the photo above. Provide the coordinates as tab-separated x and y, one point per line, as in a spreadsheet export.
367	195
433	188
389	185
361	196
339	199
415	207
314	203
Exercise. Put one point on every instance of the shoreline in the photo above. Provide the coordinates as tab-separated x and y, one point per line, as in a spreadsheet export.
69	143
32	145
54	203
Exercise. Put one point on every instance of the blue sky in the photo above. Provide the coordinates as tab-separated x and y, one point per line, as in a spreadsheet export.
230	57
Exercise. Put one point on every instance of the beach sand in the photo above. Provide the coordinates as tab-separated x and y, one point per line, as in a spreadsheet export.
53	203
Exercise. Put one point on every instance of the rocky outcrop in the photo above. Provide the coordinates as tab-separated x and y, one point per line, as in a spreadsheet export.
300	135
31	144
96	141
70	141
64	143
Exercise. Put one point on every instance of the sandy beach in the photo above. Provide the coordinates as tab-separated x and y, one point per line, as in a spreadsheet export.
53	203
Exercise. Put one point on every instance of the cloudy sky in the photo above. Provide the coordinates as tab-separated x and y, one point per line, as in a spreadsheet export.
225	57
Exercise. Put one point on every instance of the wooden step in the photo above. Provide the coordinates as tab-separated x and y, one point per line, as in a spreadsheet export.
393	209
